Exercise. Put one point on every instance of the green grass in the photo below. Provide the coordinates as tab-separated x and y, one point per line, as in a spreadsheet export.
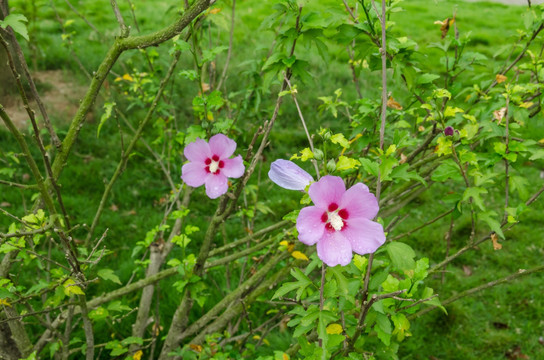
485	326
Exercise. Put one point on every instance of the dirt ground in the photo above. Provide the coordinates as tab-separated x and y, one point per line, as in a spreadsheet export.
59	93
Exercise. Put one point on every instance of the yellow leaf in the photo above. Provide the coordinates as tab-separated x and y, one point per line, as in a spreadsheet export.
215	10
334	329
526	105
127	77
71	289
5	302
421	128
541	141
299	256
197	348
285	356
450	112
284	243
500	78
138	355
393	104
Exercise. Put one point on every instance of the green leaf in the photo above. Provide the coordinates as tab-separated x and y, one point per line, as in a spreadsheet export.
474	193
382	321
401	255
489	218
370	167
133	340
426	78
118	306
447	170
98	314
108	274
16	23
391	284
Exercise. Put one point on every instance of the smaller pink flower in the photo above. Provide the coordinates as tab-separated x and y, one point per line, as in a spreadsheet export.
341	221
209	164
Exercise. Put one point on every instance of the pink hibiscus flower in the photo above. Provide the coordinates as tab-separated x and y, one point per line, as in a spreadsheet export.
209	164
341	221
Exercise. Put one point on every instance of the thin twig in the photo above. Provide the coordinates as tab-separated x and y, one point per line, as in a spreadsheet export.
124	29
477	289
83	17
229	51
303	124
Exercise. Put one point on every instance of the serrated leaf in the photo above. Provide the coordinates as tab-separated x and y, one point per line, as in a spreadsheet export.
16	21
341	140
71	289
345	163
108	274
401	255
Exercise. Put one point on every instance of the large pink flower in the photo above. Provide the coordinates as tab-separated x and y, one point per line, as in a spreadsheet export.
209	164
341	221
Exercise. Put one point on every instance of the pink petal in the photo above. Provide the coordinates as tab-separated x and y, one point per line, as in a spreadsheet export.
194	174
359	202
365	236
309	225
289	175
334	249
197	151
329	189
216	185
222	146
234	168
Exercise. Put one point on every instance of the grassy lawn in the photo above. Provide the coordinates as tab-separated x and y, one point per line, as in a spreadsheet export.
489	325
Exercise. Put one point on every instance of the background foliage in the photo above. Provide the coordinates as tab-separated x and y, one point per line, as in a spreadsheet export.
433	82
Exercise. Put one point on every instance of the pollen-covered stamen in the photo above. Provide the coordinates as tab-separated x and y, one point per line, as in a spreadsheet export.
336	221
334	217
214	164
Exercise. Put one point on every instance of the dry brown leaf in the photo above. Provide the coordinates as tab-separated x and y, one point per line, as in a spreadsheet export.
114	208
403	158
157	329
445	25
5	204
421	128
500	78
205	86
393	104
499	114
495	240
467	270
